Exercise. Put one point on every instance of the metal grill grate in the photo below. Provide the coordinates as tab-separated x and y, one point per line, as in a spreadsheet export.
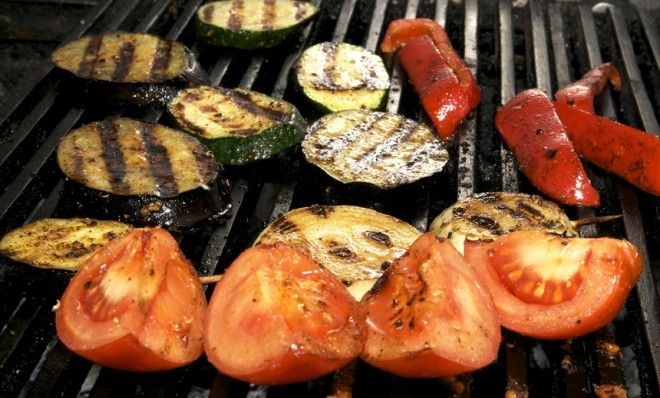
508	46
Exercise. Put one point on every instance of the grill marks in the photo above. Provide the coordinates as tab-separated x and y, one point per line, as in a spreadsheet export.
123	61
235	16
327	79
243	100
90	57
159	162
113	157
161	61
269	13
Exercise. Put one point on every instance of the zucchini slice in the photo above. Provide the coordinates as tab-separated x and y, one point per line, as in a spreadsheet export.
383	149
123	57
249	24
123	156
59	243
356	244
342	76
485	216
239	126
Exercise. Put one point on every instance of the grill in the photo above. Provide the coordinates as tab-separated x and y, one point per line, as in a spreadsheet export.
509	46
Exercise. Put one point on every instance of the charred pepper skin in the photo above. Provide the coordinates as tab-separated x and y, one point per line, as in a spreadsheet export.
581	93
625	151
450	76
535	134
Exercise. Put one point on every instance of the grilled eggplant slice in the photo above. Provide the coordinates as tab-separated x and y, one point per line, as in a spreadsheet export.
134	67
249	24
239	126
383	149
356	244
59	243
337	77
485	216
143	173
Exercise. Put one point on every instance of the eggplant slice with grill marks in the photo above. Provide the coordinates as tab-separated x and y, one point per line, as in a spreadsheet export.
488	215
59	243
338	77
240	126
356	244
133	67
249	24
141	173
378	148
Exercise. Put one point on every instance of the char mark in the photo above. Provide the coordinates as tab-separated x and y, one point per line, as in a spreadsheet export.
401	134
336	145
379	237
123	61
269	15
327	79
343	252
485	222
208	13
244	101
321	211
301	10
235	16
529	210
113	156
284	226
161	61
159	162
78	163
512	212
90	57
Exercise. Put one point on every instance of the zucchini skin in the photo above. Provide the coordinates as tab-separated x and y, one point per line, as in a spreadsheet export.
246	39
179	213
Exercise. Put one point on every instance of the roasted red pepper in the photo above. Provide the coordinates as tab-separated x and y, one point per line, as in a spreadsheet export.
438	73
623	150
532	130
581	93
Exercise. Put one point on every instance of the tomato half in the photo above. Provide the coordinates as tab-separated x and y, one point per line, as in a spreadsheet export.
550	287
430	315
137	304
277	317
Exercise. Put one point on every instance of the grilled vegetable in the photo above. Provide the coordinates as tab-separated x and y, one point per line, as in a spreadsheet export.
342	76
354	243
581	93
383	149
141	67
59	243
532	130
251	24
238	125
155	175
486	216
446	86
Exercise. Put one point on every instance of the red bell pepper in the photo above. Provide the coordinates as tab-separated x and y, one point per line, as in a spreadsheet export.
623	150
581	93
532	130
444	70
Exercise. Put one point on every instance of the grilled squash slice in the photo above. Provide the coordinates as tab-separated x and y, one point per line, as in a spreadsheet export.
155	175
249	24
383	149
356	244
59	243
337	77
239	126
485	216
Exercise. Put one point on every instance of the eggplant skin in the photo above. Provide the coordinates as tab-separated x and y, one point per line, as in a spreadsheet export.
183	212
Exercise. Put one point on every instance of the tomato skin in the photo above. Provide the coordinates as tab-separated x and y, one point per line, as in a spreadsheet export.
532	130
581	93
277	317
446	323
612	268
135	305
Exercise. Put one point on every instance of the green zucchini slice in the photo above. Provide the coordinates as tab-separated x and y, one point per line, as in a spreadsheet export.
342	76
59	243
383	149
485	216
239	126
356	244
249	24
125	58
123	156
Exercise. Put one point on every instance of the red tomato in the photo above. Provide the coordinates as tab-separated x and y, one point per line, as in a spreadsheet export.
550	287
430	315
136	304
277	317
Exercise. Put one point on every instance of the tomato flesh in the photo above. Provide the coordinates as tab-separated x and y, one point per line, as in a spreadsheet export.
136	304
601	272
430	315
277	317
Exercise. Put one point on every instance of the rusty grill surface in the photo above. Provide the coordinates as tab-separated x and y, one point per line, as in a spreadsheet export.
509	47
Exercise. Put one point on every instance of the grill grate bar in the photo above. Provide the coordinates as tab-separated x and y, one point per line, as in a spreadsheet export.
344	19
375	26
540	46
441	12
507	89
652	34
396	76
